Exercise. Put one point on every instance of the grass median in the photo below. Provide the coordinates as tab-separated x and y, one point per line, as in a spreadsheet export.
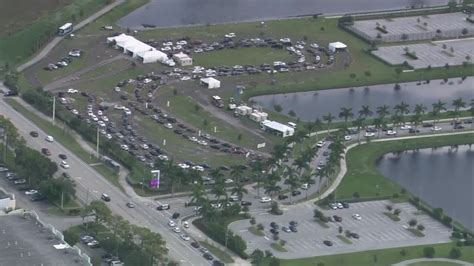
222	255
63	136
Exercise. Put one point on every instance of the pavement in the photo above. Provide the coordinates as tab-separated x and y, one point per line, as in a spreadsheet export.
438	261
58	39
90	186
376	230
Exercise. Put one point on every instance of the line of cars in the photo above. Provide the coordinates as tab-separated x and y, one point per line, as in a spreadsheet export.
65	61
21	184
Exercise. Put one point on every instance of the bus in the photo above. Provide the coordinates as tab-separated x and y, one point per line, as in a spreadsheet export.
65	29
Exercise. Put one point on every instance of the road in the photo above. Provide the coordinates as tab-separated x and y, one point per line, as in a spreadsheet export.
90	186
57	39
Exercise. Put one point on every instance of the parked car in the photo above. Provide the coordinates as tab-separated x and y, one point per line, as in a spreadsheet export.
282	197
327	243
354	235
195	244
46	151
163	207
130	204
265	199
245	203
357	216
49	139
337	218
34	134
105	197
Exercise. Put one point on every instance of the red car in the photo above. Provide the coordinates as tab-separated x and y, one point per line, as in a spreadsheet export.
46	151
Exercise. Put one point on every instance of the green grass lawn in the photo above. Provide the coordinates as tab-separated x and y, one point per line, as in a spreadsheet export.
385	257
276	246
434	263
24	42
45	76
362	175
416	232
255	231
62	135
221	255
344	239
242	56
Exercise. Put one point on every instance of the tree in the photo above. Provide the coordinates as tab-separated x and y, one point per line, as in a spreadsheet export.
397	212
452	5
253	221
272	188
274	262
236	172
458	104
365	111
455	253
438	107
328	118
412	222
306	178
420	227
257	257
429	252
340	230
358	123
383	111
260	227
99	210
401	109
239	190
346	113
198	194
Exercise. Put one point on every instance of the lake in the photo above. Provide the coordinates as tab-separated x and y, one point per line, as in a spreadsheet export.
442	177
169	13
310	105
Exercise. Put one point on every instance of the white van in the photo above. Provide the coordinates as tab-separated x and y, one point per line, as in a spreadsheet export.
304	186
49	139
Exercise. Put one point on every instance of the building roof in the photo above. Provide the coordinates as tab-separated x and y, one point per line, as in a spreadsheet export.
338	45
210	80
152	53
182	56
277	126
25	242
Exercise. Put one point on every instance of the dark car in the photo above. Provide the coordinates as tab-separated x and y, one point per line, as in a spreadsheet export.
282	197
274	225
293	228
327	243
46	151
195	244
337	218
274	231
296	193
208	256
345	205
412	130
428	125
217	263
175	215
34	134
245	203
354	235
62	156
293	223
105	197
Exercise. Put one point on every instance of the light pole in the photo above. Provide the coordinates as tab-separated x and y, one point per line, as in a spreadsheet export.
54	108
97	146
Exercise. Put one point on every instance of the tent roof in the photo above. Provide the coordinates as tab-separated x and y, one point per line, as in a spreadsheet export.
277	126
209	80
338	45
152	53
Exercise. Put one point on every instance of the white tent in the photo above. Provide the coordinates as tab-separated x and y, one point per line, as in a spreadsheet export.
337	46
211	83
152	56
137	48
279	128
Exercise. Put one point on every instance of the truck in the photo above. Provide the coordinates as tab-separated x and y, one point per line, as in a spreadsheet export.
217	101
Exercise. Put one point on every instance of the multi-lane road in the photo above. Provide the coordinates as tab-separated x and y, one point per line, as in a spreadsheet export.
90	186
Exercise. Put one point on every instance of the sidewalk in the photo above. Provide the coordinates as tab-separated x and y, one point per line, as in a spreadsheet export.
436	260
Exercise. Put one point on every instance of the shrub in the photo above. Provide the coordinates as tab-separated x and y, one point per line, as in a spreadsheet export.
274	262
278	108
403	252
260	227
420	227
412	222
429	252
455	253
397	212
389	207
356	195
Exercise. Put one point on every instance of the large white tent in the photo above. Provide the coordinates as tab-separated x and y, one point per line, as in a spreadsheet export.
211	83
137	49
278	128
337	46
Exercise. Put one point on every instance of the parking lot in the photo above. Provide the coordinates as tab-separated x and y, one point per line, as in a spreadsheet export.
450	25
435	54
376	230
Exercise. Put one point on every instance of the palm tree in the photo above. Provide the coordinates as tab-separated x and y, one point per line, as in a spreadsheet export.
378	123
257	174
321	172
278	153
401	110
396	120
438	107
365	111
458	104
328	118
471	111
236	172
358	123
239	189
316	126
383	111
346	113
306	178
198	194
419	111
271	188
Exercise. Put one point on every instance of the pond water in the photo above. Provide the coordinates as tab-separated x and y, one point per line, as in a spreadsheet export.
168	13
443	177
313	104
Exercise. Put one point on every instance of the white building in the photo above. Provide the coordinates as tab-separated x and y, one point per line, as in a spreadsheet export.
7	201
243	110
137	49
183	59
277	128
337	46
258	116
211	83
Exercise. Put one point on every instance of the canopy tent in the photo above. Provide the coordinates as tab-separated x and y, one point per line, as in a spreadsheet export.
337	46
278	128
211	83
137	49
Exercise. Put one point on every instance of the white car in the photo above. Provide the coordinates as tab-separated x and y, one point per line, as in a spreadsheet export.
230	35
72	91
168	44
198	168
117	89
436	128
146	81
176	230
391	132
166	49
144	146
314	45
100	112
265	199
356	216
64	165
163	157
369	134
228	181
183	165
74	112
49	139
108	136
321	143
347	138
31	192
182	42
105	118
101	123
185	237
168	125
119	107
193	139
127	111
124	147
198	50
184	78
172	223
186	224
202	142
339	205
405	127
304	186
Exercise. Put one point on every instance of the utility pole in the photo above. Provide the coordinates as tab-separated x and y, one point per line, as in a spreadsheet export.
226	236
97	148
62	199
54	108
5	148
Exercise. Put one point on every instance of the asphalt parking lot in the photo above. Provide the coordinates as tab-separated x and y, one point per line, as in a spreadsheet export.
376	230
